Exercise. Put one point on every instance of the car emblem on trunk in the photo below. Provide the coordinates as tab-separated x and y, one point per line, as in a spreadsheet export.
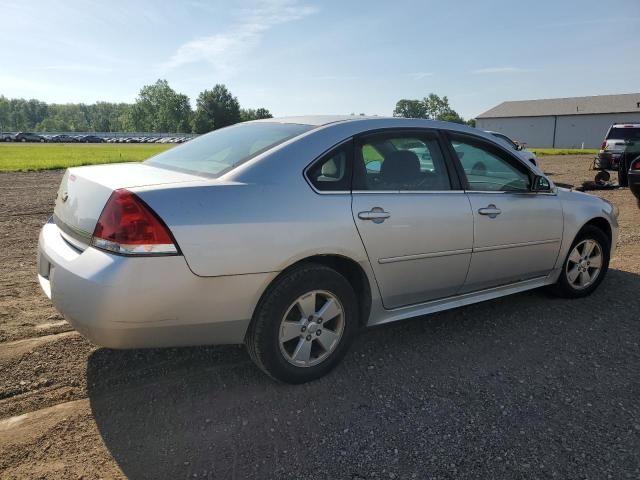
65	196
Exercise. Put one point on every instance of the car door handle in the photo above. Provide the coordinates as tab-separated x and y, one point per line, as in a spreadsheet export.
376	214
491	210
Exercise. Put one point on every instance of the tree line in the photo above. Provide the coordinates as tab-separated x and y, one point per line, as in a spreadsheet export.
432	107
158	108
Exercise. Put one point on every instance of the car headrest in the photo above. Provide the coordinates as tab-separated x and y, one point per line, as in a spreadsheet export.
401	166
330	169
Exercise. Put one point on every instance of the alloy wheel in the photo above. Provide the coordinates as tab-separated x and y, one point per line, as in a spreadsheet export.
311	328
584	264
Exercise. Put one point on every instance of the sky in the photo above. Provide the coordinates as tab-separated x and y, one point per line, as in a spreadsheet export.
299	57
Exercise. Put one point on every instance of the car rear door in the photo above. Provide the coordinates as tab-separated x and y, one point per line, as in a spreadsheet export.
517	232
414	219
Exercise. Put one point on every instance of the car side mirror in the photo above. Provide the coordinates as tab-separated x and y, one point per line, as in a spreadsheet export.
374	166
541	184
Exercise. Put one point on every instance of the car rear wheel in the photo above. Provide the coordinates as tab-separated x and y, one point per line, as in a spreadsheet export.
585	266
304	324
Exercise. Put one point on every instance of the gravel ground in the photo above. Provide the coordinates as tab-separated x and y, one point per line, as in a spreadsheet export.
522	387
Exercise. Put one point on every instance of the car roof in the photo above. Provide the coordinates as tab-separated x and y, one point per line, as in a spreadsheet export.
372	122
316	120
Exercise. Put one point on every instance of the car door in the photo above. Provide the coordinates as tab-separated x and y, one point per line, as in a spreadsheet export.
517	232
414	219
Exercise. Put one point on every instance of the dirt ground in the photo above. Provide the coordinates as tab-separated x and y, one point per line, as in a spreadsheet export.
521	387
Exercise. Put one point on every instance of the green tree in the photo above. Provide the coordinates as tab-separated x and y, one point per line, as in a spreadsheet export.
432	107
71	117
216	108
159	108
5	108
107	117
247	114
410	109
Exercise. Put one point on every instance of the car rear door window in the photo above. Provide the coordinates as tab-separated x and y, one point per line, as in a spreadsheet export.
402	162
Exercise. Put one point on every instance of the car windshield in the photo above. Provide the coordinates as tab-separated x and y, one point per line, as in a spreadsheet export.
624	133
218	152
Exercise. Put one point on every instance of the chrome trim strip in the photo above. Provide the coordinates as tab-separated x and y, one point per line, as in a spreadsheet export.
404	192
74	233
515	245
501	192
463	251
459	192
419	256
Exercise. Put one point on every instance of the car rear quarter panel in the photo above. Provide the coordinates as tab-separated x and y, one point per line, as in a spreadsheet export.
238	229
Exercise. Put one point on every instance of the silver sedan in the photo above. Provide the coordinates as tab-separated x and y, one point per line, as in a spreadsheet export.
289	235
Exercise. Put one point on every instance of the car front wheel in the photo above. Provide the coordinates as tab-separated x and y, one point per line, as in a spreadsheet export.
586	264
304	324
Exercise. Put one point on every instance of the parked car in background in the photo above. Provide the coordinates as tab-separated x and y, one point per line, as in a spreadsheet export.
621	146
520	147
6	137
28	137
90	139
63	139
335	224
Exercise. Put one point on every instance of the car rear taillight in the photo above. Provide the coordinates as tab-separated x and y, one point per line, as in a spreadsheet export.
128	226
636	164
604	145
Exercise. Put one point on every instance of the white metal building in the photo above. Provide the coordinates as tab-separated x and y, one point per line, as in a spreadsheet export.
561	122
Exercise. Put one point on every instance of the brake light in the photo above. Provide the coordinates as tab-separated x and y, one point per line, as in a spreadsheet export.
128	226
636	164
604	145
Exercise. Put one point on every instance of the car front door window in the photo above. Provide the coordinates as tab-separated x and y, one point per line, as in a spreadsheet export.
487	170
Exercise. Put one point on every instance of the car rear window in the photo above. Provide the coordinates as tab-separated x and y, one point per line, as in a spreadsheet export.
624	133
219	151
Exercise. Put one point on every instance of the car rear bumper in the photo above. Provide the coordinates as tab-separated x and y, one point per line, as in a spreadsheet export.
125	302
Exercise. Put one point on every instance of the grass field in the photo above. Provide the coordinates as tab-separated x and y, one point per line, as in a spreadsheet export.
16	157
22	157
563	151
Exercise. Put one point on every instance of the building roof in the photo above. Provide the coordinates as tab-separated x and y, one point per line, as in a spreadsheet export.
624	103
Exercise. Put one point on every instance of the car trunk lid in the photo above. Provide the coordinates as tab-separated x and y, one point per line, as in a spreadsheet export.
84	191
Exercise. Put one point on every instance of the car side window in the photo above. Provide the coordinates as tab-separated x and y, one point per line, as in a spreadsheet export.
332	172
487	169
402	162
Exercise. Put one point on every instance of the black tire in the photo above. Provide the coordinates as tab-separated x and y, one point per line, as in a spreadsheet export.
564	288
623	172
602	176
262	339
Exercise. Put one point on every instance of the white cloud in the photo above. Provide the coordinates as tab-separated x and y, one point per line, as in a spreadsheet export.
421	75
500	70
78	68
225	50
